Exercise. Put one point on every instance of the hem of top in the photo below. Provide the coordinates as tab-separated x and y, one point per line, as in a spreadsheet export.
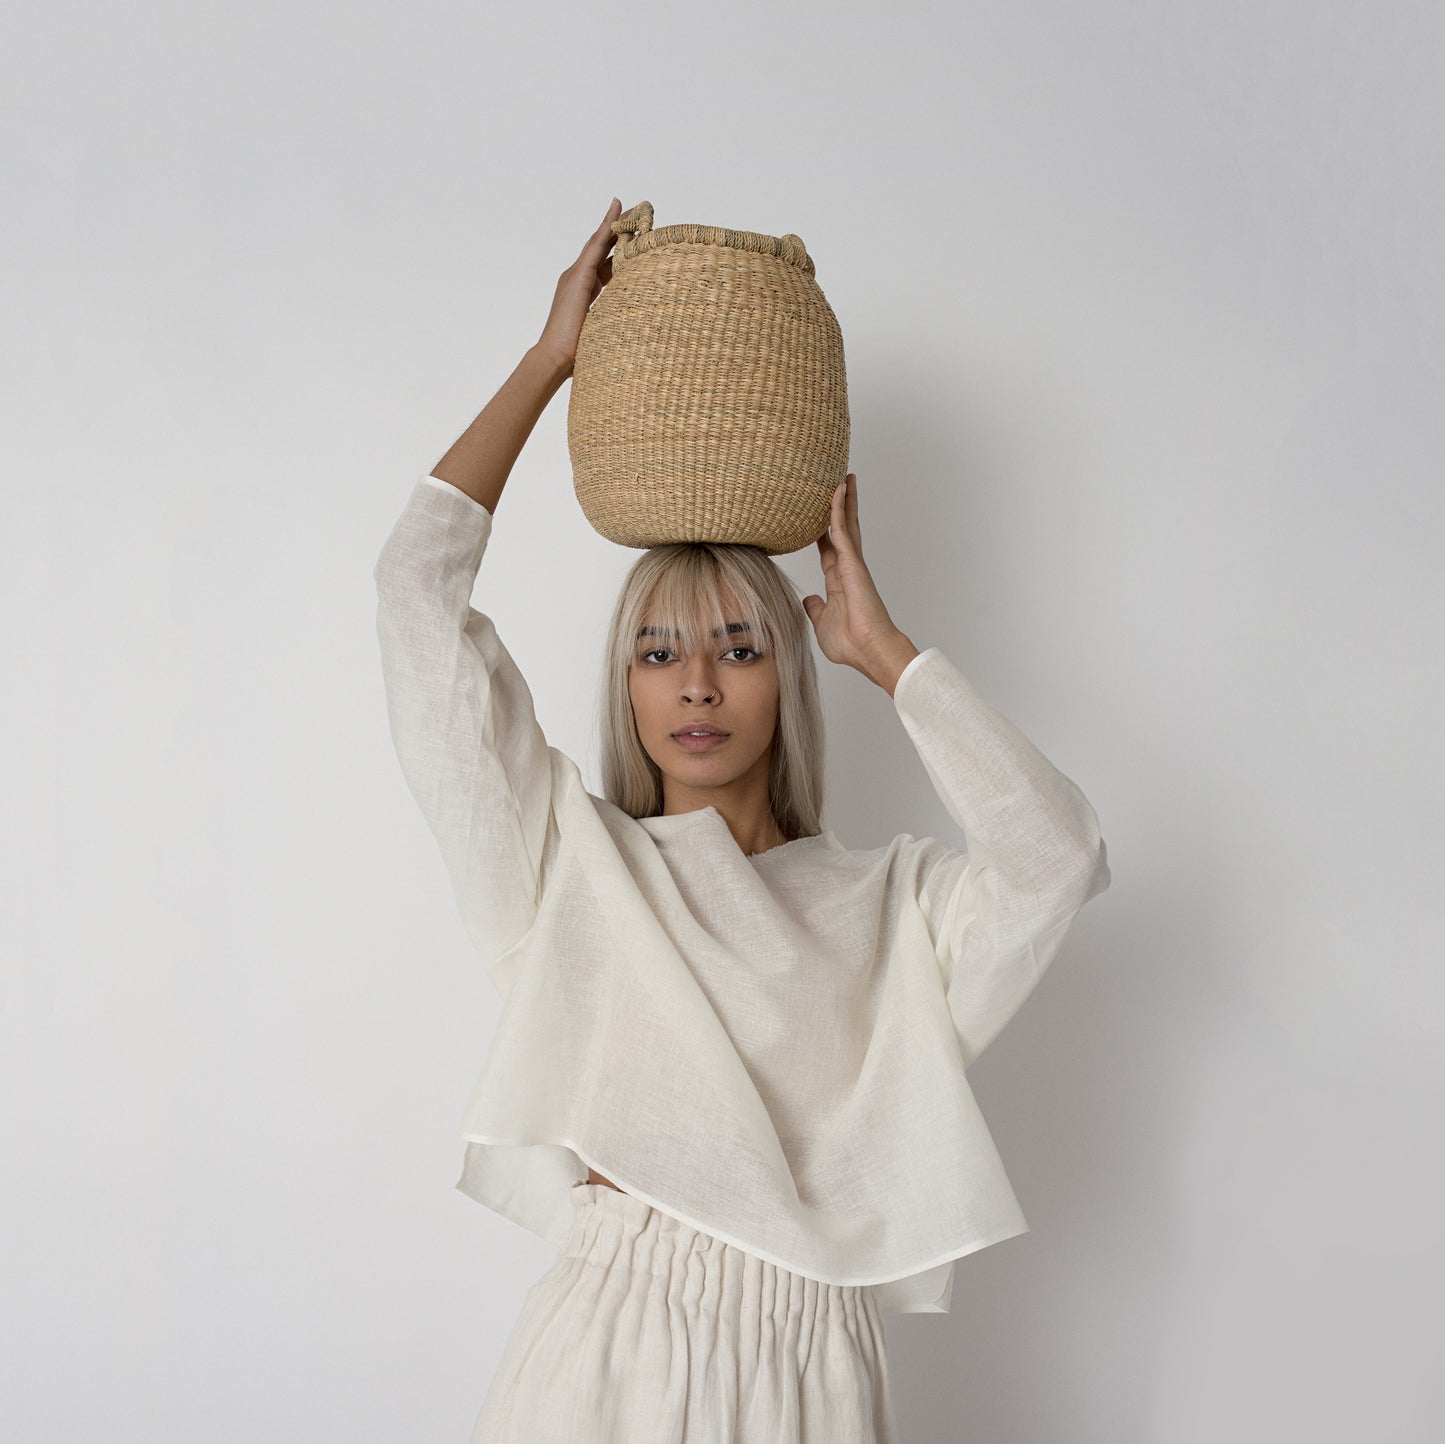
457	491
767	1257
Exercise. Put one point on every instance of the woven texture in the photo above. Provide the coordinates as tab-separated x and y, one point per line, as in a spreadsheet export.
709	399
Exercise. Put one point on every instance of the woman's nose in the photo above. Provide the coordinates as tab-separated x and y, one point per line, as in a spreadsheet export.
698	683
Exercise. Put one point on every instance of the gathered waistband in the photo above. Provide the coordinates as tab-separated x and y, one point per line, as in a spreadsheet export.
610	1227
645	1327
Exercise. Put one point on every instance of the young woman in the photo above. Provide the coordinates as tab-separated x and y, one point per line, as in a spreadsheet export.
728	1080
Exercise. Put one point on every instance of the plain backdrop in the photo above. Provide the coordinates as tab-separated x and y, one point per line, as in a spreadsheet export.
1143	315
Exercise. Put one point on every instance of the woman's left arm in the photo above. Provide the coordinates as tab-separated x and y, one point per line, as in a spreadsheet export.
998	912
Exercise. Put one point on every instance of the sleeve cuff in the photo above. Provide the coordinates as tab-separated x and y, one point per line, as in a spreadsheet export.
456	491
930	685
912	664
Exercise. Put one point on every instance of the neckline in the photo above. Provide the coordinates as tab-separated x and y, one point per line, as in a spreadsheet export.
682	817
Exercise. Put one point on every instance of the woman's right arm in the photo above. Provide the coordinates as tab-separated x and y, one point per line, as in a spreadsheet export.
461	714
482	457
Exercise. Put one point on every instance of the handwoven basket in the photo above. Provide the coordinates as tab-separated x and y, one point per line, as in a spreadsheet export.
709	400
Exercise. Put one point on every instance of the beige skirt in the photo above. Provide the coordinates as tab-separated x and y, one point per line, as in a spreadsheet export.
646	1329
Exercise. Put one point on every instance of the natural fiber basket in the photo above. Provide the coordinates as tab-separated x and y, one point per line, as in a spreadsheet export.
709	400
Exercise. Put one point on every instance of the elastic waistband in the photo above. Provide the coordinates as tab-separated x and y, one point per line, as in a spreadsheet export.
610	1227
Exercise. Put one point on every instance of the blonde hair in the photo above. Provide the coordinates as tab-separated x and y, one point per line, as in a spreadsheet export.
681	587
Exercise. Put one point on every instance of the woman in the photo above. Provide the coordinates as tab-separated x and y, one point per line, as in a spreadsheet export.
728	1079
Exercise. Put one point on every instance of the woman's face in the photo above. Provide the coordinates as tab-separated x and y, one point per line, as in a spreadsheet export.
732	687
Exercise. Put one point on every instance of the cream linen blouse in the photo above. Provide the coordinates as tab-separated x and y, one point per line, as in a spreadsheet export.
770	1048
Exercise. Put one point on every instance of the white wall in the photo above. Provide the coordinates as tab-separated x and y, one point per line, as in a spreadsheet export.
1143	310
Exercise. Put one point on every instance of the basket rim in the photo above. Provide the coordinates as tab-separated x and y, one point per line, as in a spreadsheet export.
788	248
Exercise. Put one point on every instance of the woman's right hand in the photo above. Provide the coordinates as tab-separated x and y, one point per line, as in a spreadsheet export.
580	285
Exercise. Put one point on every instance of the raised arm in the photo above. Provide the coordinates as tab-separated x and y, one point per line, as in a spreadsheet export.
998	912
480	460
462	718
461	715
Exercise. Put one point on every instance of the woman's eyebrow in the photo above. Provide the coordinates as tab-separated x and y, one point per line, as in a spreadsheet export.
668	632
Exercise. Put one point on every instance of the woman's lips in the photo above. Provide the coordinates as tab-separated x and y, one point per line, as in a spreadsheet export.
699	744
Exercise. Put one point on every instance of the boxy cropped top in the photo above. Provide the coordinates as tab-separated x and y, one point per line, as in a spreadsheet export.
769	1047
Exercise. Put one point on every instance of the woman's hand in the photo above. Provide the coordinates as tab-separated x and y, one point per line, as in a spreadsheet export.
853	626
580	285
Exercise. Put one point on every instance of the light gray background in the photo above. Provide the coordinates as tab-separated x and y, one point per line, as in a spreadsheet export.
1143	314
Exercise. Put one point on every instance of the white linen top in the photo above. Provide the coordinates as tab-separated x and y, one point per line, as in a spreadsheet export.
768	1047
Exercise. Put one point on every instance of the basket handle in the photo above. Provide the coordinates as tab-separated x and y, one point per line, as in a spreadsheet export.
633	222
792	249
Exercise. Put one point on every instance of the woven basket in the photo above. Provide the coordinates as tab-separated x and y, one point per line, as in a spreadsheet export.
709	400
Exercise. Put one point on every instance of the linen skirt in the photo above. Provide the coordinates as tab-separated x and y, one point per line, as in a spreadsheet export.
648	1331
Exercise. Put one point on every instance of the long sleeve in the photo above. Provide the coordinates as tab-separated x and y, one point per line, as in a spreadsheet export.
998	912
462	718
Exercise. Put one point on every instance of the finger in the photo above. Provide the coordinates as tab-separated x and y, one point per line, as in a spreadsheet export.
838	526
829	560
855	532
604	235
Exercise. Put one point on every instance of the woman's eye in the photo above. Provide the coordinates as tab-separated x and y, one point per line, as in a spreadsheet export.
664	652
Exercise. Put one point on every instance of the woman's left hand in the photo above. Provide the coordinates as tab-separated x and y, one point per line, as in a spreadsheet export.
853	624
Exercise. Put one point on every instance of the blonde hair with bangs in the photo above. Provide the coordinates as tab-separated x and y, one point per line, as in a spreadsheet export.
680	588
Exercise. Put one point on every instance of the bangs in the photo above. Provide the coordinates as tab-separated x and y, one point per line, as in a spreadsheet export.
696	603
